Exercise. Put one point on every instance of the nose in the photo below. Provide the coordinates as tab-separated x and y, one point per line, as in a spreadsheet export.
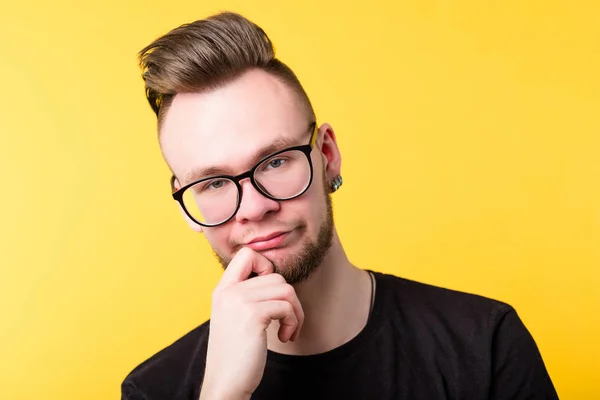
254	205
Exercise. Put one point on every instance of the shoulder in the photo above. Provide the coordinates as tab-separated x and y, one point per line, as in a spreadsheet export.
438	305
171	371
474	337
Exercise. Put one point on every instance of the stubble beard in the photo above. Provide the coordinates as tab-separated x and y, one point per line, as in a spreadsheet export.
301	265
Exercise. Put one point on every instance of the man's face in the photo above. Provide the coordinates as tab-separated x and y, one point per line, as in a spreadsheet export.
228	130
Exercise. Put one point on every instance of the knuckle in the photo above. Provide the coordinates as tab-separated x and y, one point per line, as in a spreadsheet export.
274	278
288	291
288	309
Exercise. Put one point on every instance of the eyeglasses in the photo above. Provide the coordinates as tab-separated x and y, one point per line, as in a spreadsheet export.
284	175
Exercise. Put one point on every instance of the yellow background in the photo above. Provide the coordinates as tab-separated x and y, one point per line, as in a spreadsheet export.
470	140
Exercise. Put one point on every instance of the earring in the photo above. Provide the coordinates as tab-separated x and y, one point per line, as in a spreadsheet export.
336	183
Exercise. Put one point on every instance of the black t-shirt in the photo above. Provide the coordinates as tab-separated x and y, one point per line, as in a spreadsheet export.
420	342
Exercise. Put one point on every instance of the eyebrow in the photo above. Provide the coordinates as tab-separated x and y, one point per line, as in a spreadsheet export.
278	144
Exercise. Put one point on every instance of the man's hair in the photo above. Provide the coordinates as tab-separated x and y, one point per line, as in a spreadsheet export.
209	53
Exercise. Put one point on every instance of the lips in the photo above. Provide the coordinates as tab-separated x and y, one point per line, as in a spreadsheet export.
267	242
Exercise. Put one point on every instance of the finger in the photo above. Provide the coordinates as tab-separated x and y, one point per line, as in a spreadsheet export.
299	311
273	287
283	312
264	290
263	281
243	263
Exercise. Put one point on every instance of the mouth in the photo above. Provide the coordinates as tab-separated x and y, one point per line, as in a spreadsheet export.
267	242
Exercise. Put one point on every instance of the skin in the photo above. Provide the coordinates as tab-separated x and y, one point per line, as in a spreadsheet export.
225	127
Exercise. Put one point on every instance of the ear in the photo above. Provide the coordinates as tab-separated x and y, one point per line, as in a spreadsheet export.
332	159
193	225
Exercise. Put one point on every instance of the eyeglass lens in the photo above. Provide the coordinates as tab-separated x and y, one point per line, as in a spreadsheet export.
283	176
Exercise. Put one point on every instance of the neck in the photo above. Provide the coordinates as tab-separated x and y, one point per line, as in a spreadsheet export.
336	302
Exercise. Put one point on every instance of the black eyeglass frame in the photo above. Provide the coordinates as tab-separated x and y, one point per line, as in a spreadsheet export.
306	149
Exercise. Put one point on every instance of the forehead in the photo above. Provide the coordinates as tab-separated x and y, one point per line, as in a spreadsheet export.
226	126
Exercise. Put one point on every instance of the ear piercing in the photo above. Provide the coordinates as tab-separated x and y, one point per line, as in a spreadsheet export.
336	183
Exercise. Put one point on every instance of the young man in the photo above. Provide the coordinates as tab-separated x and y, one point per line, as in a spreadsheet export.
292	317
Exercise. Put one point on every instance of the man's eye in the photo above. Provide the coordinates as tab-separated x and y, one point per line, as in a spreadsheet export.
276	163
214	185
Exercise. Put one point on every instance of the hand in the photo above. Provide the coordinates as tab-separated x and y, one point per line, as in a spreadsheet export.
242	309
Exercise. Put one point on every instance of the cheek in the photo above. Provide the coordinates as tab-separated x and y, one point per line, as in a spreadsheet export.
311	207
218	238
